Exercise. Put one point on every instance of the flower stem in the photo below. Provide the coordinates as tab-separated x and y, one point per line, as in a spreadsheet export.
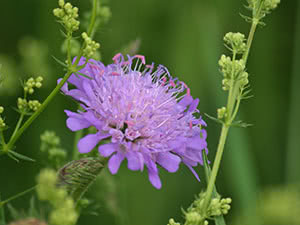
17	126
2	215
233	100
250	39
2	203
216	165
38	112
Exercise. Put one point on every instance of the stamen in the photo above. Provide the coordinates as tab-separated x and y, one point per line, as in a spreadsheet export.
116	58
115	73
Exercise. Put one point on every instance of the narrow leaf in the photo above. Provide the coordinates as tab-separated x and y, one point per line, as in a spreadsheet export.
20	156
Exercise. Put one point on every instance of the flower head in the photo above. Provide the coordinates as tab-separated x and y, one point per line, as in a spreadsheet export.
145	113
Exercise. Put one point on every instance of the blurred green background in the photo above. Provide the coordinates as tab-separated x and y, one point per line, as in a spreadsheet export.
186	37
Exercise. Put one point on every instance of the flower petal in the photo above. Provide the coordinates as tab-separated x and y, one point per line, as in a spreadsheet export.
115	162
108	149
75	124
135	161
87	143
169	161
154	179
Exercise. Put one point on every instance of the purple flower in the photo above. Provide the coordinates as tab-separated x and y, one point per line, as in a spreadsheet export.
145	113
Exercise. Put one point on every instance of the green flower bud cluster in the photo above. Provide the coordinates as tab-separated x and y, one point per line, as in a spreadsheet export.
235	42
172	222
2	123
32	83
196	214
26	106
261	8
64	212
269	5
233	71
222	112
68	15
219	206
50	144
90	46
34	105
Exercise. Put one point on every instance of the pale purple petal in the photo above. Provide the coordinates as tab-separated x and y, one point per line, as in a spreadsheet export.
134	161
75	124
154	179
169	161
107	149
87	143
115	162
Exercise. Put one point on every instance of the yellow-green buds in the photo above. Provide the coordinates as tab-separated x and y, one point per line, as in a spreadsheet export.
2	123
64	212
91	46
221	112
235	42
68	15
34	105
22	104
172	222
50	145
32	83
219	206
46	184
270	4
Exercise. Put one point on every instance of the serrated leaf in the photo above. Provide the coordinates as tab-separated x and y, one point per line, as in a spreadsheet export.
20	156
219	220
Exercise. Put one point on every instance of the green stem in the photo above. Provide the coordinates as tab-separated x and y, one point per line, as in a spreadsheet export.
93	18
69	38
216	165
38	112
2	215
2	203
250	39
17	126
232	98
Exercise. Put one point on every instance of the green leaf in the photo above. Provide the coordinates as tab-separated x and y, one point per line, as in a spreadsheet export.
17	156
214	118
219	220
59	61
